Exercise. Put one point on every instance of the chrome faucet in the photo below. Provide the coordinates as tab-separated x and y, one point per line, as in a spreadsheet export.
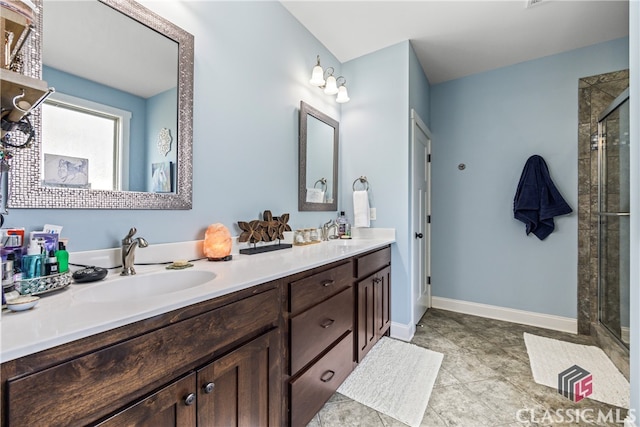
128	252
325	230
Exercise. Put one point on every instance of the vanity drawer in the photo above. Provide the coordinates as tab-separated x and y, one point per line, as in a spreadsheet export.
314	330
314	387
88	387
311	290
373	262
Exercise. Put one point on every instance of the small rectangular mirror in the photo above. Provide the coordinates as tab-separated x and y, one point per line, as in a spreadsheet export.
318	160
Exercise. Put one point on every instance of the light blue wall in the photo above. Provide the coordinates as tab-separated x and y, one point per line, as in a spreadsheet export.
253	62
419	88
162	110
70	84
634	99
375	143
493	122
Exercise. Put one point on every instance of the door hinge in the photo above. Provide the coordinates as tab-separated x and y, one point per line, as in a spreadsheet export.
428	219
428	280
428	158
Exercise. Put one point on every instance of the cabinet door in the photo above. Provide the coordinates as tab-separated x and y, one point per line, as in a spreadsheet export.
382	288
374	310
366	317
172	406
242	388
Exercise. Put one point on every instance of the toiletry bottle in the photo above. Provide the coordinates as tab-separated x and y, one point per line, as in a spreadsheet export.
63	258
7	270
342	224
51	264
17	269
32	262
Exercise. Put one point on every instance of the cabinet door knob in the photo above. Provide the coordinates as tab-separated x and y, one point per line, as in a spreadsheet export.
326	377
377	279
190	399
327	323
327	283
208	388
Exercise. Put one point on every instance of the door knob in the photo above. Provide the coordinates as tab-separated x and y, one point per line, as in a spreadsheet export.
419	235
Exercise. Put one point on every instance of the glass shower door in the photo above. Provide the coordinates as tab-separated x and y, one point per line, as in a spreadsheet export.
613	216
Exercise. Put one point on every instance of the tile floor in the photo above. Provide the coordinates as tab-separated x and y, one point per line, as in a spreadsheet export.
484	380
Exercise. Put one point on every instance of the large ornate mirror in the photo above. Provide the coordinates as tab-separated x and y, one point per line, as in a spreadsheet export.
117	133
318	162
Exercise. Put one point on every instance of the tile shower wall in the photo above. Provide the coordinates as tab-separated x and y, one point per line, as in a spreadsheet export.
595	94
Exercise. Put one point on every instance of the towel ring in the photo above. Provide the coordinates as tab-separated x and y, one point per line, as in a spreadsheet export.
323	183
363	181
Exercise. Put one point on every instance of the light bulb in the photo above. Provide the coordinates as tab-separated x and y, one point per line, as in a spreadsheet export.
343	96
331	88
317	78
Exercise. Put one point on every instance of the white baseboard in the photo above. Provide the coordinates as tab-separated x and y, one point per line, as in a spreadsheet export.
548	321
402	332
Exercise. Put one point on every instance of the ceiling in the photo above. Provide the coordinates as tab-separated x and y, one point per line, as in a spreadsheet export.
452	38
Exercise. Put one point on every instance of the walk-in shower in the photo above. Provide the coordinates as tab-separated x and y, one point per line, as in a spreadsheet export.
613	218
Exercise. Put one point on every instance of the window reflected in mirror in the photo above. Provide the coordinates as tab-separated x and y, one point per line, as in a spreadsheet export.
87	154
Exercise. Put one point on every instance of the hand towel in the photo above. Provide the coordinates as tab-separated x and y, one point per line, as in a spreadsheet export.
315	195
537	199
361	209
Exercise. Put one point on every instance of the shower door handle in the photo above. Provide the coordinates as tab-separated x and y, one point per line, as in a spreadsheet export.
614	213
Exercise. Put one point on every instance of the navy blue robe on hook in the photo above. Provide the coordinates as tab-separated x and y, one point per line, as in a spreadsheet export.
537	199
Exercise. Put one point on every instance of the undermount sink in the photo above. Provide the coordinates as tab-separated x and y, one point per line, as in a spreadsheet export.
144	285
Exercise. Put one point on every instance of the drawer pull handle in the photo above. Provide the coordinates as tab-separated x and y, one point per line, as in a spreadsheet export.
327	376
327	283
190	399
208	388
327	323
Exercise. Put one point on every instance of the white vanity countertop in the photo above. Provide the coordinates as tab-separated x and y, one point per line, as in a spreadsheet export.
61	317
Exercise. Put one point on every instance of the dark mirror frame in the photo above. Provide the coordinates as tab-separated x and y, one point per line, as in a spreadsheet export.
305	111
25	190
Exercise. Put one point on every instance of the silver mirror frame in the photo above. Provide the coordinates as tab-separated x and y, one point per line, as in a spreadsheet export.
25	190
305	111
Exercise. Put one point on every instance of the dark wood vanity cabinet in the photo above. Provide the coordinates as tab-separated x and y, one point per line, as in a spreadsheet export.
373	275
214	358
234	390
320	320
269	355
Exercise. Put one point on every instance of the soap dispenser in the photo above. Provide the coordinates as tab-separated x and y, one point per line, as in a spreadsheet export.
344	228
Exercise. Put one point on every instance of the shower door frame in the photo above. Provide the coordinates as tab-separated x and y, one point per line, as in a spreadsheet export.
623	97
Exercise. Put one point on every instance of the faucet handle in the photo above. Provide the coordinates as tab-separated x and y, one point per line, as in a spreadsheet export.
128	237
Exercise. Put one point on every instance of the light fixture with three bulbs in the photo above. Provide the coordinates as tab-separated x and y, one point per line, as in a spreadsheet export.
332	85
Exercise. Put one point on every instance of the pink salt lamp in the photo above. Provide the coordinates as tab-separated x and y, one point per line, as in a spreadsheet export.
217	243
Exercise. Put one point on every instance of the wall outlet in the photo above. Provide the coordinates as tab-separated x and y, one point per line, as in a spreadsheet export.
372	214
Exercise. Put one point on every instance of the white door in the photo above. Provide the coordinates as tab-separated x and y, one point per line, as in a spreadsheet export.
420	213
